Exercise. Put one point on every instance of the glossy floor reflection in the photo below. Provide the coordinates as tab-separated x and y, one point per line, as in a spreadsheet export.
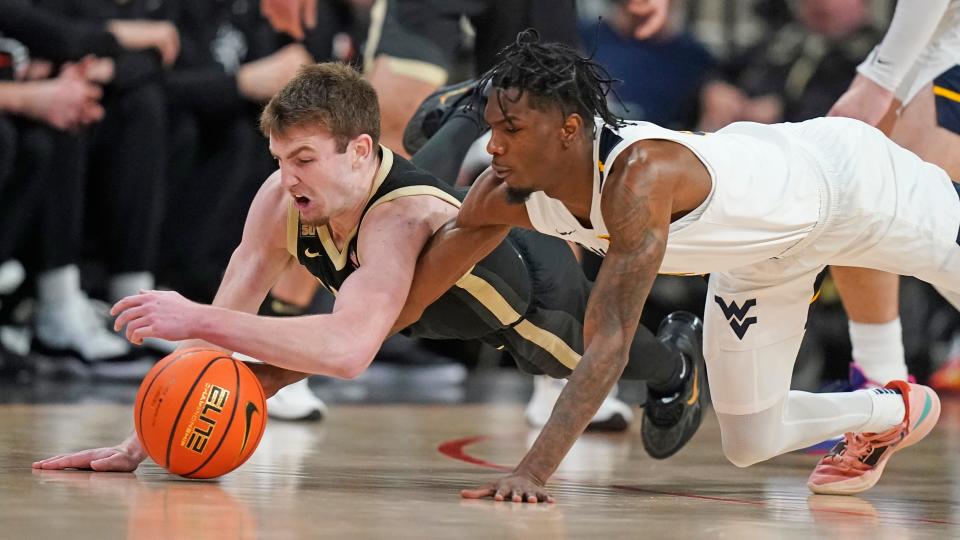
377	471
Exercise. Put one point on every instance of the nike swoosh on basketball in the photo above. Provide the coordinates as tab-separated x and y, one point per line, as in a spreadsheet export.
310	254
251	408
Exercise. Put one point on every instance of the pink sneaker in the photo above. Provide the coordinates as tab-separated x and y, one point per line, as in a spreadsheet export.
857	462
857	380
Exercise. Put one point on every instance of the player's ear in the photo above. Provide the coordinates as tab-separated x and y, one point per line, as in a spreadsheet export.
361	148
571	128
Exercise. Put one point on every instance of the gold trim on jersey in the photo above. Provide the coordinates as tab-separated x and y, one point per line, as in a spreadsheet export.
330	288
411	191
946	93
337	257
293	227
487	294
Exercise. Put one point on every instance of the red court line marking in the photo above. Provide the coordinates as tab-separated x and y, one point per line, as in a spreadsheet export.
456	449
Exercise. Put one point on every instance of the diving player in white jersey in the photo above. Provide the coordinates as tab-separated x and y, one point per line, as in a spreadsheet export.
909	87
763	209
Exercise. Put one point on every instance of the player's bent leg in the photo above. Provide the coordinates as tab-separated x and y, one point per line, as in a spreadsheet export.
439	108
870	298
400	91
755	321
674	410
801	419
929	126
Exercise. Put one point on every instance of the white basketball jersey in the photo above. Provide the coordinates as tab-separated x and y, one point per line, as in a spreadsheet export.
768	193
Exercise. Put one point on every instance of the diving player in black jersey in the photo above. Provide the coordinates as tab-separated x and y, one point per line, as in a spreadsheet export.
357	217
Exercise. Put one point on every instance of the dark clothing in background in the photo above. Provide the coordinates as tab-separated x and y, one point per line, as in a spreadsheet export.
660	79
54	35
807	71
429	30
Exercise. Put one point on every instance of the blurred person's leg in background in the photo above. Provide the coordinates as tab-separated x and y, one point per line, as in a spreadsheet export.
128	160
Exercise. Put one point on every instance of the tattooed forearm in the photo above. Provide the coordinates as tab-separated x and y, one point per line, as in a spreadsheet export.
638	228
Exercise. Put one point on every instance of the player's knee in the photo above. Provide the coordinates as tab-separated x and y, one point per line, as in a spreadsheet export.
745	442
742	455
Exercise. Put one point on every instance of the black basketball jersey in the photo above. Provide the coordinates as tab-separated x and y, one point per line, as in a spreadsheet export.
314	247
495	294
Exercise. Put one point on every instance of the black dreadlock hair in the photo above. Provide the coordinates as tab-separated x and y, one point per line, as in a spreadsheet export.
552	73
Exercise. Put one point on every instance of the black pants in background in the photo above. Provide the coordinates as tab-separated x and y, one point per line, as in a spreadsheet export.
127	178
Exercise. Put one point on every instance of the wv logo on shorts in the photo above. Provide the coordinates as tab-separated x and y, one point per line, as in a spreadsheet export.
737	316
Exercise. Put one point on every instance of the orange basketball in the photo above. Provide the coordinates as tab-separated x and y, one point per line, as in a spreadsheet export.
200	413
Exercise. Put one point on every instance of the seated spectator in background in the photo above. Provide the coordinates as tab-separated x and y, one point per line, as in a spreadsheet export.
798	72
52	165
125	154
231	63
662	75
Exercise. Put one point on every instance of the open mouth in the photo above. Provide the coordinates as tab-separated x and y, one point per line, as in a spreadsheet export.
301	201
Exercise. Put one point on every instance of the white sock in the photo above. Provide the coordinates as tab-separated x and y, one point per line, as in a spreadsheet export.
888	410
58	284
128	284
878	350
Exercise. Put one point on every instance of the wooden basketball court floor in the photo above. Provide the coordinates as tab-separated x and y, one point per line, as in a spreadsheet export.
395	472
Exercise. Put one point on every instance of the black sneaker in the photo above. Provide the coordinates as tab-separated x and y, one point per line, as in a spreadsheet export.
437	109
670	420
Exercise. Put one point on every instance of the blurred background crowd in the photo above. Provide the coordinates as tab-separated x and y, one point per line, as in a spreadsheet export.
129	153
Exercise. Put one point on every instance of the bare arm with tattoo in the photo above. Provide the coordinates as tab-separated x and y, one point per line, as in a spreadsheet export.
636	207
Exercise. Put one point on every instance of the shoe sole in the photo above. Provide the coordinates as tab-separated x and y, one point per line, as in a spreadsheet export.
867	481
616	423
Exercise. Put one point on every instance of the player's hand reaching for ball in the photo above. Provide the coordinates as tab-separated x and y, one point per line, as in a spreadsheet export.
125	457
516	487
159	314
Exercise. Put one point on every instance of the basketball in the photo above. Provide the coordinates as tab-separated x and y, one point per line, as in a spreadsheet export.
200	413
